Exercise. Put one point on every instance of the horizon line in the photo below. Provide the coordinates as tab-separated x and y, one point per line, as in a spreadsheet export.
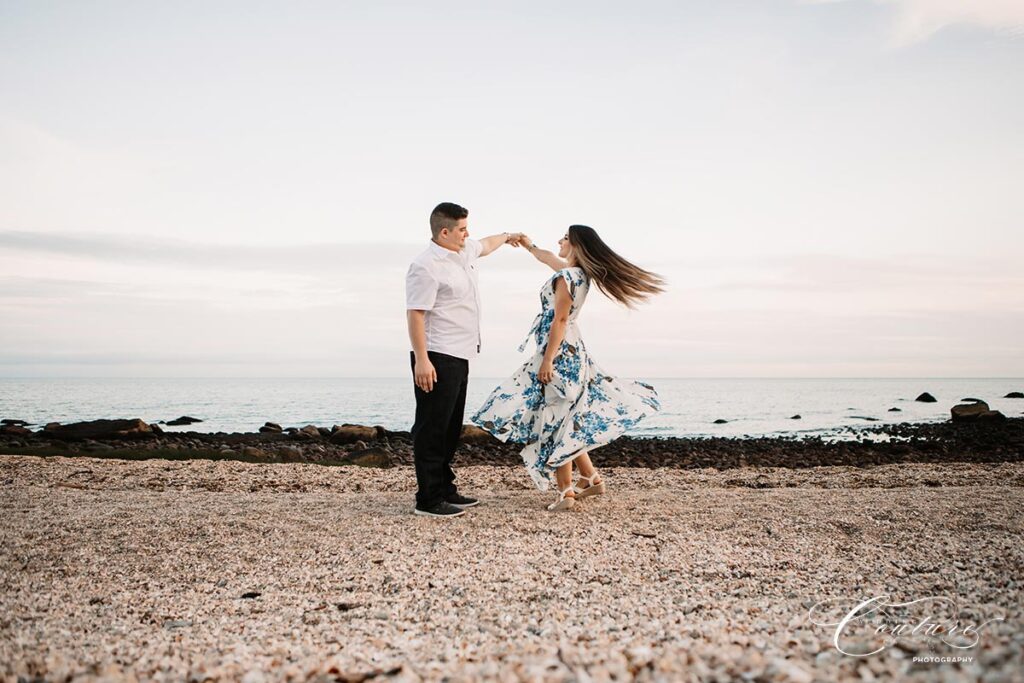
320	377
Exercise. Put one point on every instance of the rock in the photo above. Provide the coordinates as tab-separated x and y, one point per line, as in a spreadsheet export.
325	433
864	417
926	398
347	434
9	421
991	416
368	457
471	434
1014	394
14	430
99	429
895	410
720	421
156	429
290	453
972	400
310	431
796	417
965	412
252	452
183	420
271	428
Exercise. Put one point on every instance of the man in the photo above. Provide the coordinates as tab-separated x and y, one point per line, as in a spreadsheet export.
443	312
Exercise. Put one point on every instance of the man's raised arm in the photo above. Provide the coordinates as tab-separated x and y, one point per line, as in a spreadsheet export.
491	243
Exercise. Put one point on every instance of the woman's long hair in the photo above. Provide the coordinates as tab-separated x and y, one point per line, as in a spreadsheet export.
619	279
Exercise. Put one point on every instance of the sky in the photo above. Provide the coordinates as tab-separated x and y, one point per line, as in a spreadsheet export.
236	189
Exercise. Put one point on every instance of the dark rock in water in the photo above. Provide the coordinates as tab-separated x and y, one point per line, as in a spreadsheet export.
926	398
895	410
972	400
472	434
183	420
271	428
14	430
796	417
51	425
309	432
991	416
346	434
156	429
1014	394
968	411
864	417
324	432
368	457
9	421
100	429
720	421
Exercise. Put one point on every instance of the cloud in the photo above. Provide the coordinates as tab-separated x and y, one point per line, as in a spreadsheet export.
832	273
125	249
918	20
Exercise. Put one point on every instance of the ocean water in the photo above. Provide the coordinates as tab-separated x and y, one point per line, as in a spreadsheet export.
753	407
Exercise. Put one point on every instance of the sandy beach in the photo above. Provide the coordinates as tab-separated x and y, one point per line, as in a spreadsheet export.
225	570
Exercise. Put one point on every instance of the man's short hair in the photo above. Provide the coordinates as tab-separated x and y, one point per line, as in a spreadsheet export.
445	215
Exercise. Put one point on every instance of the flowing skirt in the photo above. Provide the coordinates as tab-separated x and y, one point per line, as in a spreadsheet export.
581	408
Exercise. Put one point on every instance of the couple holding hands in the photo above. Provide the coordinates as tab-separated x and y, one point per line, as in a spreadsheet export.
559	404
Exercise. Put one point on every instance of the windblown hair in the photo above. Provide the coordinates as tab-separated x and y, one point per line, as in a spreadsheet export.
619	279
445	215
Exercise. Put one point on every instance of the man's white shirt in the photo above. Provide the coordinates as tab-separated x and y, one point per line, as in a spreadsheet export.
444	284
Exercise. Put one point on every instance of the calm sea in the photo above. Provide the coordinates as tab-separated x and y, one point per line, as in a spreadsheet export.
689	406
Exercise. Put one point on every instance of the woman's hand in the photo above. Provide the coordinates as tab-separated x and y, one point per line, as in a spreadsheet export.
524	241
546	372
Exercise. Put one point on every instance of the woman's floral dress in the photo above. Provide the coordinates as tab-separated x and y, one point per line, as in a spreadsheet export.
581	408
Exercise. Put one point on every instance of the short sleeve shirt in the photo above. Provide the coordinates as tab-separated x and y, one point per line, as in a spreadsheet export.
444	284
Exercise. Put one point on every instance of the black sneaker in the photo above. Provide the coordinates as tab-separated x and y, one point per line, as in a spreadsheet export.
442	509
460	501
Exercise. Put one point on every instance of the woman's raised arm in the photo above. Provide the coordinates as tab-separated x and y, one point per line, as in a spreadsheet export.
546	257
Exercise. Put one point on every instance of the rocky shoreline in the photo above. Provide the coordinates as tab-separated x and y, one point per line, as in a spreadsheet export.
954	441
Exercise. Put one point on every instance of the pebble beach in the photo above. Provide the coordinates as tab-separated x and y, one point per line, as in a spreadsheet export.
206	570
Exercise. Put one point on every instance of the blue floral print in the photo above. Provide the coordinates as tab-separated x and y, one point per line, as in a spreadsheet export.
581	408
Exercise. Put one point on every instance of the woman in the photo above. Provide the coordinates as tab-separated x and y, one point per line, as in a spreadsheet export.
560	403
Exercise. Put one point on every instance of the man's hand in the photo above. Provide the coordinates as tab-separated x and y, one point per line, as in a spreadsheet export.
523	241
546	372
425	374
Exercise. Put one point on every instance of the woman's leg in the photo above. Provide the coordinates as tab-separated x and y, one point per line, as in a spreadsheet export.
563	478
587	468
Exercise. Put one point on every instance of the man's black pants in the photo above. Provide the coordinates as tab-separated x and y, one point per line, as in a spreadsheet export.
438	427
